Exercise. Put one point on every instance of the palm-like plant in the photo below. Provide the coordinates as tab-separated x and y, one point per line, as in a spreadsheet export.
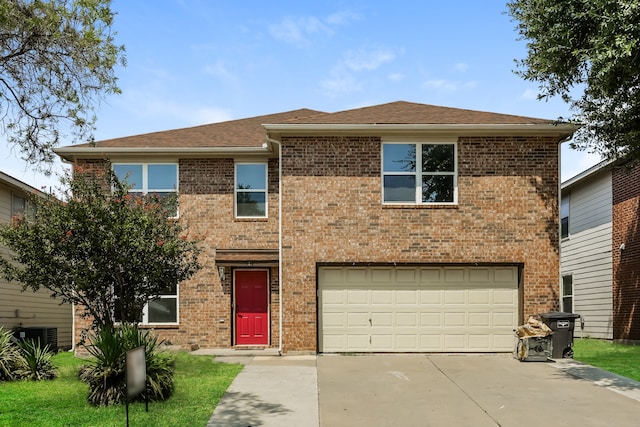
106	372
8	355
34	361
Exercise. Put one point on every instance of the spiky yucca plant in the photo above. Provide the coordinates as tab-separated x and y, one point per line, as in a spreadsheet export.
106	374
34	361
8	355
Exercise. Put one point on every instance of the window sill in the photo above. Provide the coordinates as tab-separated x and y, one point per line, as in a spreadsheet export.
251	219
430	206
160	326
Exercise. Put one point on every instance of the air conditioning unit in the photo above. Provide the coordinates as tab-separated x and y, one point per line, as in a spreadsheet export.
46	336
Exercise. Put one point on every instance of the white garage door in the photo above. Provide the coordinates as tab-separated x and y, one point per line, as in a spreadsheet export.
417	309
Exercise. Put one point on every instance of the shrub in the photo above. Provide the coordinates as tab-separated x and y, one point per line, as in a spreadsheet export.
34	361
106	374
8	354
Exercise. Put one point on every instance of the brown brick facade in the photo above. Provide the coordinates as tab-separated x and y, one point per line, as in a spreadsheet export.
332	213
626	262
507	213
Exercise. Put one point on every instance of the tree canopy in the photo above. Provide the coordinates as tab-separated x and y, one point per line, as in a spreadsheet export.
108	251
587	52
57	61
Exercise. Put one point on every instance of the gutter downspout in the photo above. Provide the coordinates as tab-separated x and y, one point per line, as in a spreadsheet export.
273	141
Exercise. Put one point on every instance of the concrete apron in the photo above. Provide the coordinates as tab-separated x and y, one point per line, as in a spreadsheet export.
462	390
271	391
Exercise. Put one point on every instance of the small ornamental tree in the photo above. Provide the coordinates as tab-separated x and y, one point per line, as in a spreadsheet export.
102	248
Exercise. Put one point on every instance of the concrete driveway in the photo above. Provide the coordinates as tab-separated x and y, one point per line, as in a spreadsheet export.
464	390
423	390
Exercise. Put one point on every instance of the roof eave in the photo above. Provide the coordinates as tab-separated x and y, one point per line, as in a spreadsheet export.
562	130
73	153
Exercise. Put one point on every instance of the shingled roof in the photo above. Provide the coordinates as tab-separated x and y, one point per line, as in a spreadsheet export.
234	133
402	112
248	135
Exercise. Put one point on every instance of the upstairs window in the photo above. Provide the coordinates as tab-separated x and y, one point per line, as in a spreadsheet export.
21	207
160	179
567	294
251	190
419	173
564	217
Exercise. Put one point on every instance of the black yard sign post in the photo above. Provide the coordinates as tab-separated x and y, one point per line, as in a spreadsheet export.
136	369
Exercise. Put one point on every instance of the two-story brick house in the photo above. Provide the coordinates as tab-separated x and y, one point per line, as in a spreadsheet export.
399	227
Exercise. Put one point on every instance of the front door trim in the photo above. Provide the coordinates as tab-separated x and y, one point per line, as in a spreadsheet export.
255	341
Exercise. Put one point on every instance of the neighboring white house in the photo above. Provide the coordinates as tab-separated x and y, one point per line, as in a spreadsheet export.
36	311
585	251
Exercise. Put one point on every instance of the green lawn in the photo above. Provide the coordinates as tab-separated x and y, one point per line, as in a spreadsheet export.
620	359
200	383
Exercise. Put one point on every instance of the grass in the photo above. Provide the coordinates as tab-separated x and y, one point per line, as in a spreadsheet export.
200	384
620	359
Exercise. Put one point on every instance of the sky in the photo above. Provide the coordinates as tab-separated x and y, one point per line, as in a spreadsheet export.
193	62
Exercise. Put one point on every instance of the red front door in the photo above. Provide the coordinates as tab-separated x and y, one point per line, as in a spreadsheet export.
252	316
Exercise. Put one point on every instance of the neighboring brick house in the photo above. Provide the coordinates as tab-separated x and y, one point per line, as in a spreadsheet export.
600	250
45	317
400	227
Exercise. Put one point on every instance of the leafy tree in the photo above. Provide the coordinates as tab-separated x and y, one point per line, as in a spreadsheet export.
106	251
57	58
587	52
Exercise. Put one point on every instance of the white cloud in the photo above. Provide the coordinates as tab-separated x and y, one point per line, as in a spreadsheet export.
218	69
441	84
395	77
449	85
529	94
297	30
341	83
367	60
346	75
342	18
461	67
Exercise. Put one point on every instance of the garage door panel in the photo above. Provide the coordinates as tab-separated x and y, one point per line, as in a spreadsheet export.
454	342
430	297
358	342
406	297
381	319
479	342
454	319
409	309
407	319
506	297
357	296
479	320
454	297
430	319
382	297
355	320
333	320
482	297
506	319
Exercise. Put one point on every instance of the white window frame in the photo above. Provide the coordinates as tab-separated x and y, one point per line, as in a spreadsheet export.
562	294
145	190
253	190
145	310
565	212
418	173
145	180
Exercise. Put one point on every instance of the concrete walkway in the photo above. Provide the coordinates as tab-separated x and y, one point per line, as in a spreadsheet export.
271	391
423	390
